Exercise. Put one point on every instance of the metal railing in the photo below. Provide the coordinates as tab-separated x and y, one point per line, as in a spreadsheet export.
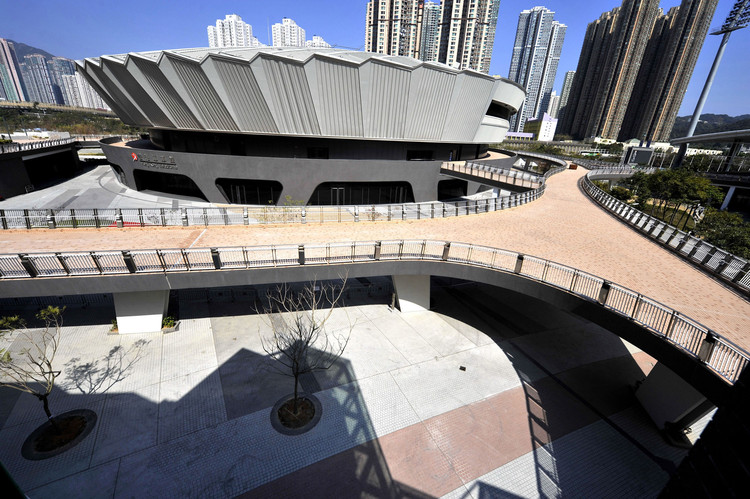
251	215
721	355
500	175
721	263
32	146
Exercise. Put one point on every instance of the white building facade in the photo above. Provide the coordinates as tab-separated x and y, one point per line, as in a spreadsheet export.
536	54
231	31
288	34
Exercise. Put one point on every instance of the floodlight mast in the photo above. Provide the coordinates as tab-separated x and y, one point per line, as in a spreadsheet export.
738	18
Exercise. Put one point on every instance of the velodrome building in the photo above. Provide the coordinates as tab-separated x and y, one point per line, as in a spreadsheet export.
319	126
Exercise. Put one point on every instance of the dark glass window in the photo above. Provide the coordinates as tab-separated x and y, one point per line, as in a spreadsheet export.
339	193
317	152
451	189
417	155
242	191
168	183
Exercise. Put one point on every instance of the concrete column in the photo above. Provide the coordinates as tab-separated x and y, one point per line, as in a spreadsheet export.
727	198
668	399
413	292
140	311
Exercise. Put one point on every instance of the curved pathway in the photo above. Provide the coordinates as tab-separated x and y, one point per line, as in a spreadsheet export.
564	226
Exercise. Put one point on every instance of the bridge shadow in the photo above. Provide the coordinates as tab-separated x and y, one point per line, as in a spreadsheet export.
196	432
573	375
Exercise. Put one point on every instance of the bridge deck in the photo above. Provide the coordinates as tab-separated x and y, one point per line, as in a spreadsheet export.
563	226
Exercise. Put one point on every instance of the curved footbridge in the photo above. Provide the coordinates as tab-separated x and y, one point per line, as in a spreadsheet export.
670	299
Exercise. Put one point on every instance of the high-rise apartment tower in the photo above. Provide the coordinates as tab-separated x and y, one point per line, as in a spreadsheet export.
430	32
231	31
611	55
565	94
465	33
287	34
536	54
394	27
36	77
665	72
10	73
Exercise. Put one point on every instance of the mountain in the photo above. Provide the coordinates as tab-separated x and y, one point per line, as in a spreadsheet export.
710	123
22	50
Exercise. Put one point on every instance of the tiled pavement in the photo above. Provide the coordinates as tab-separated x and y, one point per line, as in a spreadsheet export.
563	226
190	416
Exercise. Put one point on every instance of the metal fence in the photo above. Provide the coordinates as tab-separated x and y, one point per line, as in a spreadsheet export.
721	263
250	215
31	146
718	353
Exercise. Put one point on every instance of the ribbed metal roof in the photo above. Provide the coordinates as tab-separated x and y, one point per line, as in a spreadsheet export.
299	91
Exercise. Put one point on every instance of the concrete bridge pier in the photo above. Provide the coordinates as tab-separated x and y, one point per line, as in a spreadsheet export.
140	311
412	292
671	403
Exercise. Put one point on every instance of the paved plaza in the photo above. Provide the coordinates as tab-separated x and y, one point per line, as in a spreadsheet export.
543	407
564	226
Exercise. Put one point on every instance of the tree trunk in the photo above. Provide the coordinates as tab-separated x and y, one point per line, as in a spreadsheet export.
45	403
294	405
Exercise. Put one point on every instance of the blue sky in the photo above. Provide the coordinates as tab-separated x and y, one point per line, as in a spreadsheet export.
86	28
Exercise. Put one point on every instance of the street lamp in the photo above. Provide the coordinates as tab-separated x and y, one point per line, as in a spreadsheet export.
738	18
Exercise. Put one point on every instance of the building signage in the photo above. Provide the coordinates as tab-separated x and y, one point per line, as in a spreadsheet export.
159	161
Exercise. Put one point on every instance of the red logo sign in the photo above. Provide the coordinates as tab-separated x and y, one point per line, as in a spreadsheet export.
134	156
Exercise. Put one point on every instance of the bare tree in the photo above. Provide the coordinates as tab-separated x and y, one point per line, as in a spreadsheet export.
30	369
298	339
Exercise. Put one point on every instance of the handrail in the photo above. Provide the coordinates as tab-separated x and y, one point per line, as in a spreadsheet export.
718	353
14	147
31	146
728	267
247	215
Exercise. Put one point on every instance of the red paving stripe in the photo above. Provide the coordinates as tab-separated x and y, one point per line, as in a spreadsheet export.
432	458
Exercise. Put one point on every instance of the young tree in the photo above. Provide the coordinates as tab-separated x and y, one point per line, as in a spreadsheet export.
30	370
298	339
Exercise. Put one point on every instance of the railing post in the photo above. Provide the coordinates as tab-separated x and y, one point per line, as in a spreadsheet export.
63	263
184	217
709	256
216	258
742	273
356	213
446	251
604	292
389	213
3	220
723	264
377	250
432	210
160	255
97	221
140	216
27	219
304	215
118	219
73	219
519	264
696	248
403	212
683	242
301	254
707	347
28	265
636	307
50	220
163	218
129	262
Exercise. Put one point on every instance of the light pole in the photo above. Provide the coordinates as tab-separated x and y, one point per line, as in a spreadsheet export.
738	18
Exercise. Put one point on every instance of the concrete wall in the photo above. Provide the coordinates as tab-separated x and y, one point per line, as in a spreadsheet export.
298	176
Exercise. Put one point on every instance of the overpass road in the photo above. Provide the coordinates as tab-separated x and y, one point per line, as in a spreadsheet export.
564	226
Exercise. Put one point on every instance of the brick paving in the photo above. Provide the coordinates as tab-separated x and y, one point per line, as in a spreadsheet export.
178	425
563	226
